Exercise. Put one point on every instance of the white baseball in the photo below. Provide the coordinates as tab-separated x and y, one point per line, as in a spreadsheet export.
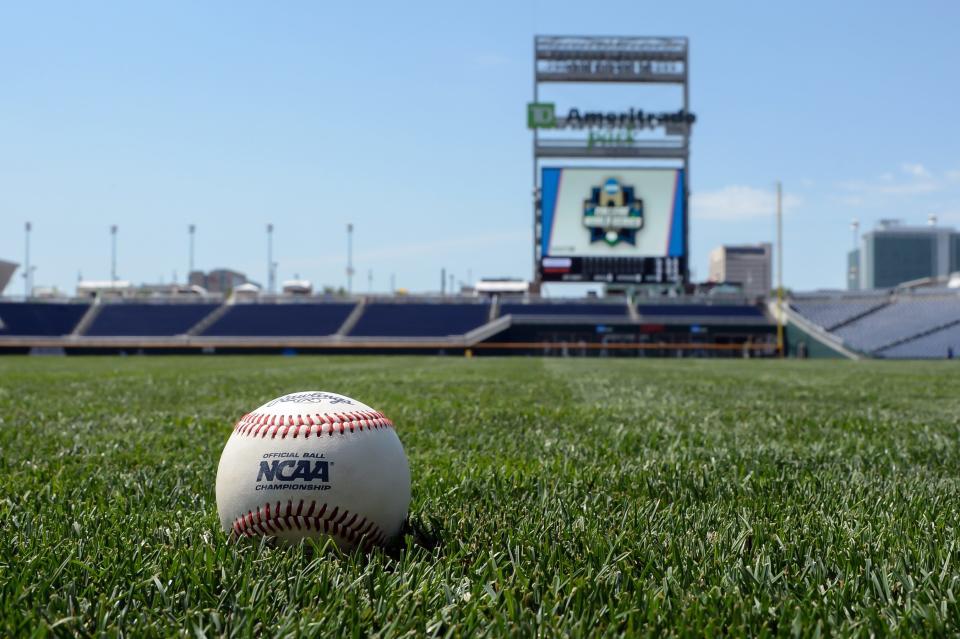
314	464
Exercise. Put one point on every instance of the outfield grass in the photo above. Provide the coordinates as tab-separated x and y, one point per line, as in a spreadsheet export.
560	497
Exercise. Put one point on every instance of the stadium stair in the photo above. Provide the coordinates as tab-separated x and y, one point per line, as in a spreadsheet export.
352	319
88	318
494	308
488	330
208	321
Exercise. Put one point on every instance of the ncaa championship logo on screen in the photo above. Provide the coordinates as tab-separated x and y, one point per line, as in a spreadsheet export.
613	213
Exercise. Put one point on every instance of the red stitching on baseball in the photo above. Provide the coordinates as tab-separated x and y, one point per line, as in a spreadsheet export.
275	520
261	425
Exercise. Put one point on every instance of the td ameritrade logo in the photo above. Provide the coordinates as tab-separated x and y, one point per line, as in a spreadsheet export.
293	471
543	115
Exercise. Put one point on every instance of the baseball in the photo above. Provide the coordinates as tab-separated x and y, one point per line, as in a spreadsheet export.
314	464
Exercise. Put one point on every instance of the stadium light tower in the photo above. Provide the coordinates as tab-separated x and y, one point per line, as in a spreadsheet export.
780	269
270	265
113	252
350	259
27	280
192	229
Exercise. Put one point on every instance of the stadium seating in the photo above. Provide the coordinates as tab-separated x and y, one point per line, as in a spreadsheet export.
277	320
420	320
905	317
517	309
831	313
935	345
29	318
699	310
147	319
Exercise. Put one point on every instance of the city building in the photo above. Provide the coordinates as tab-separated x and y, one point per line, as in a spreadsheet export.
893	254
747	265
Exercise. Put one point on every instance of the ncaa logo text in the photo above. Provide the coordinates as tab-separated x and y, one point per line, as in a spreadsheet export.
294	474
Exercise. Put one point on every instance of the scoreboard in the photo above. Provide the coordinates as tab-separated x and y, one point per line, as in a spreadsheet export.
612	225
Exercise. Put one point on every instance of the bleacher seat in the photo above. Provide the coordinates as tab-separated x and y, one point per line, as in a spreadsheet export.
831	313
31	318
147	320
419	320
905	317
278	320
607	310
934	345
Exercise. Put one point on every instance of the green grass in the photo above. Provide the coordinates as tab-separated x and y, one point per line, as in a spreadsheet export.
551	497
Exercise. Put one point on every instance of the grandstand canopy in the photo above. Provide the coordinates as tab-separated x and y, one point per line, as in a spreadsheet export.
6	272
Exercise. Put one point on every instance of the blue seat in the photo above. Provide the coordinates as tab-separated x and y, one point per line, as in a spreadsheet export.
278	320
30	318
147	319
419	320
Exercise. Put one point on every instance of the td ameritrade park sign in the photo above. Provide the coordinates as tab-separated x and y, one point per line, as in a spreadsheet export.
543	115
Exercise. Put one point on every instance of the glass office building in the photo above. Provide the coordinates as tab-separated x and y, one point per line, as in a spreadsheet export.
894	254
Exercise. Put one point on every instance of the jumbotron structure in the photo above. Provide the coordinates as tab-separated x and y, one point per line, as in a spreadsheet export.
611	186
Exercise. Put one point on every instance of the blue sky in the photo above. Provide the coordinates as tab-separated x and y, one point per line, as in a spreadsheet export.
408	120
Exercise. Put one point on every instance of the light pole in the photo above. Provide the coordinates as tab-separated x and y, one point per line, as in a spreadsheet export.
270	264
113	252
780	269
853	273
192	229
27	279
349	259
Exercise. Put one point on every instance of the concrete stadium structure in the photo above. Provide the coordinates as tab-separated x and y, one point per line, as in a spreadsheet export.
669	326
918	323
